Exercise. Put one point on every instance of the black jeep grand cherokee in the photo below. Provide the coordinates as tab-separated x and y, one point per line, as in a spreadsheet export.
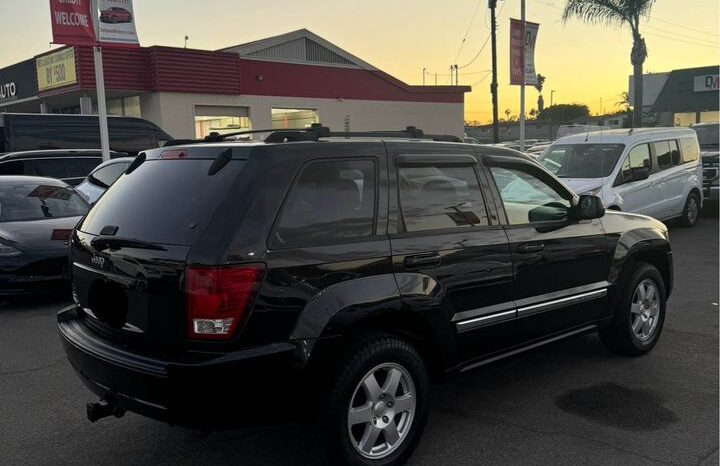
223	283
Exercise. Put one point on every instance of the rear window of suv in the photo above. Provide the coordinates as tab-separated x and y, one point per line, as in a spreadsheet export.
330	201
163	201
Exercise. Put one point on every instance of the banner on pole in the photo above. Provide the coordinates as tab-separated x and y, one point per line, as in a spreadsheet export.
517	52
531	33
522	52
116	23
72	22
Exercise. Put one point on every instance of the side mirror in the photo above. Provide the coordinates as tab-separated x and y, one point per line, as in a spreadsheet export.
639	174
551	212
590	207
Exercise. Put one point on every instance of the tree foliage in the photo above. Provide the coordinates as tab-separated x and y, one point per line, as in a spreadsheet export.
563	113
618	13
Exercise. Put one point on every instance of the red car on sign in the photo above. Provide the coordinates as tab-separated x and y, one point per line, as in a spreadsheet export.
116	15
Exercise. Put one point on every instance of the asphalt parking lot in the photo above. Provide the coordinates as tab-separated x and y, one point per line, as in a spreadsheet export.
566	404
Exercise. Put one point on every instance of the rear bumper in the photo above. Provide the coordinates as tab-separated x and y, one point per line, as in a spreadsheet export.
210	391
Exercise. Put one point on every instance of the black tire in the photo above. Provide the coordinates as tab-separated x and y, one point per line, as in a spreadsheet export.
620	337
368	354
691	211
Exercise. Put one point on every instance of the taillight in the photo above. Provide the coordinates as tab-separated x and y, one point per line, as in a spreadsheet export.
218	299
174	154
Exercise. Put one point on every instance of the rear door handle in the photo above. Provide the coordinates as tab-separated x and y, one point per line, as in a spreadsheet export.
527	248
422	260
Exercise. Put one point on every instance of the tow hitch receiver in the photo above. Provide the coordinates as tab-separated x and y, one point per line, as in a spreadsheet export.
104	408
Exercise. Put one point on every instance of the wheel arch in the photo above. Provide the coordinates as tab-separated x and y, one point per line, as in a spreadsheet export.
655	252
342	335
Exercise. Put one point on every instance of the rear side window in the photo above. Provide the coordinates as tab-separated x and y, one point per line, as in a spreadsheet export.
51	168
80	167
663	154
106	176
329	201
638	158
439	197
163	201
690	150
17	167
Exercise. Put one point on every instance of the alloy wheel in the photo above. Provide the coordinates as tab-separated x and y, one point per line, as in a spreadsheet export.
381	411
645	310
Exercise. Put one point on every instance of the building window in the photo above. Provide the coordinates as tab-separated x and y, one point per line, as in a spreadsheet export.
126	106
708	117
684	119
294	118
211	119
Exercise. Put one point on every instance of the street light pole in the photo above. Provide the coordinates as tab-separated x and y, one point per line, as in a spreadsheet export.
551	97
522	85
424	71
494	85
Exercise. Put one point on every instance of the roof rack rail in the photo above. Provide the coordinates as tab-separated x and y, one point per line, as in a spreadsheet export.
315	132
411	132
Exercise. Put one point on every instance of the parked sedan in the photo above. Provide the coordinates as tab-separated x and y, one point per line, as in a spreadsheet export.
68	165
102	177
37	216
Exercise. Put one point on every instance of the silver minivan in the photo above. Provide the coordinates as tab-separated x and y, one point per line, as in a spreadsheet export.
650	171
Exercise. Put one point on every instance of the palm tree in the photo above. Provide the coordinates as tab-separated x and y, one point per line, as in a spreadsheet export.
539	87
624	102
619	12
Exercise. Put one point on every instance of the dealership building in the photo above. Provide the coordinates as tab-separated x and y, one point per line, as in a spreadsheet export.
286	81
679	97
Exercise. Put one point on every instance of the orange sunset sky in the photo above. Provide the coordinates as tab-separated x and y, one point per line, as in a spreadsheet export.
583	63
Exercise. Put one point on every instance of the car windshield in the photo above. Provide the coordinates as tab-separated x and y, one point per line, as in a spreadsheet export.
582	160
708	135
32	201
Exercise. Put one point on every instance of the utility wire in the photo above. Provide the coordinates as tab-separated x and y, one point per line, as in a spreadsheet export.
483	45
682	36
652	18
675	39
487	75
472	19
685	27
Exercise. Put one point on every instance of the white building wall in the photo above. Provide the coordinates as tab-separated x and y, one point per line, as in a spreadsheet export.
174	112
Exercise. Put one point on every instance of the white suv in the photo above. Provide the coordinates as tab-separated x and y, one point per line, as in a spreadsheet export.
651	171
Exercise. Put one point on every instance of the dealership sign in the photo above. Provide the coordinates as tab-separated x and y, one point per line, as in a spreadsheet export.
517	53
523	36
56	69
707	83
72	22
17	82
116	23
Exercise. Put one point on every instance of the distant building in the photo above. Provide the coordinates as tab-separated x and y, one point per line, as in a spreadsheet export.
611	121
511	131
286	81
680	97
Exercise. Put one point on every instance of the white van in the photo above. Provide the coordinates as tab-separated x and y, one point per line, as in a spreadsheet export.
651	171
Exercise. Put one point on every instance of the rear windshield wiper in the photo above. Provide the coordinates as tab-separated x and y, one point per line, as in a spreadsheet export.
113	242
